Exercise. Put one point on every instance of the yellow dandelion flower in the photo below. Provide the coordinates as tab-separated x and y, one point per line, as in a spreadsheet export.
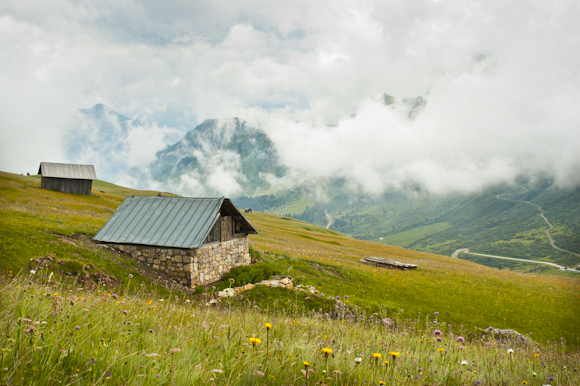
255	341
441	349
377	355
382	383
268	326
149	301
536	355
326	351
306	364
524	382
394	354
386	362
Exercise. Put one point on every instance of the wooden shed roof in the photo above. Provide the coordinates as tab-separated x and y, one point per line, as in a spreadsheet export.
175	222
69	171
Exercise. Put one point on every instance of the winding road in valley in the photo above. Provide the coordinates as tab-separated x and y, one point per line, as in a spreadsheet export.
329	219
550	227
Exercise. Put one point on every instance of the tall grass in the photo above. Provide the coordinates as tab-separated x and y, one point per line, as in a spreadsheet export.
56	333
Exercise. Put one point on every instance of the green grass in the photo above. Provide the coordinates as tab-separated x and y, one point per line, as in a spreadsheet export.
36	222
58	333
404	239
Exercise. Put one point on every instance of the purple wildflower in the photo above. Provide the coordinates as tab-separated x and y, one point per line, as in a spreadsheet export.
436	313
151	331
346	296
550	378
338	298
461	339
125	312
438	339
490	329
478	382
130	276
437	332
77	328
115	296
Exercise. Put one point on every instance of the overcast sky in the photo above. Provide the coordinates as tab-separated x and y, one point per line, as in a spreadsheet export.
501	77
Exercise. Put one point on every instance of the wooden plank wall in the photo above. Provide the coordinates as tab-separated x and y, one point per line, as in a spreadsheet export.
227	228
66	185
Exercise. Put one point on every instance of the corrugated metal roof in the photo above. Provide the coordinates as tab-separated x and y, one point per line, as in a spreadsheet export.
72	171
178	222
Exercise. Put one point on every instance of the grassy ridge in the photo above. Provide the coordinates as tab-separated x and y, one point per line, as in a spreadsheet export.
463	292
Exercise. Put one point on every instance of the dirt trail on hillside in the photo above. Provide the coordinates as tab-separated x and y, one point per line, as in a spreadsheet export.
329	219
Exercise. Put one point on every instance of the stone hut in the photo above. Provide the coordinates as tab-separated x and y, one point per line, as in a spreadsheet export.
67	178
194	240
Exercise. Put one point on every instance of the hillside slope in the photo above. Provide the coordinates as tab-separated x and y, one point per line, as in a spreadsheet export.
36	222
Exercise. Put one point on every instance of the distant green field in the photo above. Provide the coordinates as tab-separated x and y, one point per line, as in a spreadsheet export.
404	239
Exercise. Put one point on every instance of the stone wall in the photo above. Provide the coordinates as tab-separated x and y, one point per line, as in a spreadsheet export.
211	262
195	266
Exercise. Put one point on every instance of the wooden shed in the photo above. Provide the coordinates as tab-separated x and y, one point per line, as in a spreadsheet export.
193	240
67	178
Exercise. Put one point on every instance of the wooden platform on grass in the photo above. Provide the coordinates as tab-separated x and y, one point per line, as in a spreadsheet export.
386	263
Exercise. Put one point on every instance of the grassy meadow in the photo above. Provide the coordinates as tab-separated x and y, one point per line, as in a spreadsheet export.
56	333
466	296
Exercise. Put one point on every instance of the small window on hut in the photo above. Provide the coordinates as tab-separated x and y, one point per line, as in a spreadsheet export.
215	233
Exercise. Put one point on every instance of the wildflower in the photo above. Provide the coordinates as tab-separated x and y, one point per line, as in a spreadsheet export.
217	371
187	300
382	383
463	363
268	326
441	349
421	341
437	332
477	383
386	362
346	296
158	375
338	372
124	312
490	329
357	360
151	331
161	300
259	373
306	364
175	350
149	301
394	354
533	374
130	276
255	341
439	339
77	328
510	351
114	296
436	313
461	339
32	271
326	351
377	355
524	382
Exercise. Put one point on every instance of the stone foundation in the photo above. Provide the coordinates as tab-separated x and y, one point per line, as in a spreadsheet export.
193	267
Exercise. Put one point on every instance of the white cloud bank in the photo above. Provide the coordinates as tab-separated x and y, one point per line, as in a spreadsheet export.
501	79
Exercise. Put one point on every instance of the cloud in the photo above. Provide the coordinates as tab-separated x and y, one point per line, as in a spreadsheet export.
501	79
